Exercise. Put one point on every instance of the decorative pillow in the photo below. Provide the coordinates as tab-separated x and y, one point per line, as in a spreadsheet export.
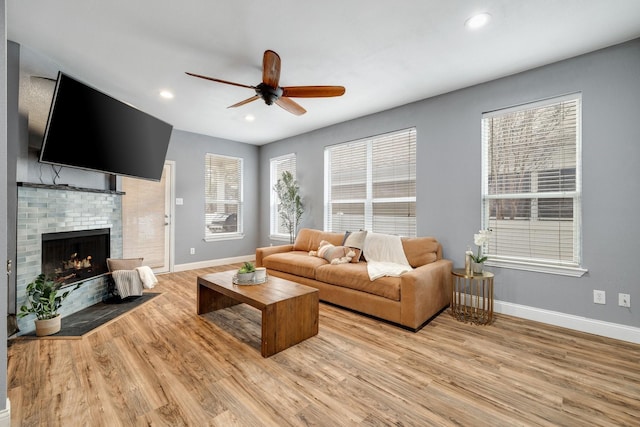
355	240
333	254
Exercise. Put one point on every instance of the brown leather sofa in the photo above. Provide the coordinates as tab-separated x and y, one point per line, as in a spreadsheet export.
410	300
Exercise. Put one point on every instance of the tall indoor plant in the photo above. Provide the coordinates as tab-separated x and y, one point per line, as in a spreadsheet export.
290	208
44	300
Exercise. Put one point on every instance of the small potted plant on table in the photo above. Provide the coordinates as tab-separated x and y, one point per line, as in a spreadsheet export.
44	301
246	272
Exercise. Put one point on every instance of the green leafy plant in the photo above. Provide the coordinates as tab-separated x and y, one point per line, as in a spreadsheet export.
247	267
290	207
43	298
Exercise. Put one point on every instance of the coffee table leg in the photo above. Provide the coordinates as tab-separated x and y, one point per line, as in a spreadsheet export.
210	300
289	322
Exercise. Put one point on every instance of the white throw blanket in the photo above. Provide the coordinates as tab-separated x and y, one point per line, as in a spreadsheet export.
128	282
385	256
147	277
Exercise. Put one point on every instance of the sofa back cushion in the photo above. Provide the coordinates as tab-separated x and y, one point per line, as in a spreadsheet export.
309	239
421	250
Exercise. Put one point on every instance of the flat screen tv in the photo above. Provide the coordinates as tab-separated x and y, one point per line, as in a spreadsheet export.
90	130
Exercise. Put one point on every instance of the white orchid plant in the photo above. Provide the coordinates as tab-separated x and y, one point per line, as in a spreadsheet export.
480	240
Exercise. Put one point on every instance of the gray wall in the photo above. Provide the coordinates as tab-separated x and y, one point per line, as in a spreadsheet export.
3	210
188	151
449	172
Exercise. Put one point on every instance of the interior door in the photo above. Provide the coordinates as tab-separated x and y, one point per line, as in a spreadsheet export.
146	217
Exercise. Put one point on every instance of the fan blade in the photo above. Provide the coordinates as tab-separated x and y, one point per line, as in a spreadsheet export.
219	81
291	106
312	91
270	68
246	101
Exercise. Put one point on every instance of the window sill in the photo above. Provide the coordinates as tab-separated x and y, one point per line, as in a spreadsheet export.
538	268
223	236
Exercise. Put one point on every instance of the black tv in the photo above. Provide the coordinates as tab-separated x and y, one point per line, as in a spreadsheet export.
90	130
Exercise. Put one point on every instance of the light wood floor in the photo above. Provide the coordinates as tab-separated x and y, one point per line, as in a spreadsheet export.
163	365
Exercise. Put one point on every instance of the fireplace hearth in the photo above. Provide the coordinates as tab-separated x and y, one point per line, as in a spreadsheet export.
75	256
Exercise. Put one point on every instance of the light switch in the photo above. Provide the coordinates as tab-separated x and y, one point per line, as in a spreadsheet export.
179	201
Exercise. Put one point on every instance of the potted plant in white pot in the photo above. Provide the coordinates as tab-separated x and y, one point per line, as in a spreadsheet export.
246	272
44	300
480	240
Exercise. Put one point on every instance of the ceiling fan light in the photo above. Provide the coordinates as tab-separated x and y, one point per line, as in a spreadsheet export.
477	21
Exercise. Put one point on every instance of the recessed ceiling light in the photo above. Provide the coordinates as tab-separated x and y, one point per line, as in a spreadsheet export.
249	117
166	94
477	21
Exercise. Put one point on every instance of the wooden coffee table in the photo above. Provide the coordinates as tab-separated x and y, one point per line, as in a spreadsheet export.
289	310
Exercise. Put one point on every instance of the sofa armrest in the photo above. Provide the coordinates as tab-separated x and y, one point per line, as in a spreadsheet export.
425	291
269	250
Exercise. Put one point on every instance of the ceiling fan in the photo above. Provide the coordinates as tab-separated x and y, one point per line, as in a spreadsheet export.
270	91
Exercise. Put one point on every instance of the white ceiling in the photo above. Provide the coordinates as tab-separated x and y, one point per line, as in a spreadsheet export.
386	53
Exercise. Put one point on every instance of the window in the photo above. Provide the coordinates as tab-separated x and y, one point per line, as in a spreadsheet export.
370	184
286	163
531	186
223	197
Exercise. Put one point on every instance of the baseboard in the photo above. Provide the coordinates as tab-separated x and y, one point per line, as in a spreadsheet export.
5	415
578	323
212	263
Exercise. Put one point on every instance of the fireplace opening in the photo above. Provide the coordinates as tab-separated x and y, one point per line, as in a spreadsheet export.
75	256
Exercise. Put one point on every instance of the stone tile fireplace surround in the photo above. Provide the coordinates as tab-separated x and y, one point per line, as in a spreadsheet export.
51	209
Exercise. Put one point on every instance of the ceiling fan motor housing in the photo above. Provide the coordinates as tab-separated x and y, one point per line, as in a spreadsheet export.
268	93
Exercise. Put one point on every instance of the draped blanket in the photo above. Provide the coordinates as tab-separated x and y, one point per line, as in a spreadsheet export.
131	282
147	277
128	282
385	256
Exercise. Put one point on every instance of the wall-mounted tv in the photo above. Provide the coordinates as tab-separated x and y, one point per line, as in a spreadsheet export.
88	129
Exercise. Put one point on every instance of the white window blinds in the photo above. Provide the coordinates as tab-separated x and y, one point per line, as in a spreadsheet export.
286	163
370	184
531	183
223	196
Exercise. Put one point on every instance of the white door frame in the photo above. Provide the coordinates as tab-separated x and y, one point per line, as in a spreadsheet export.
172	213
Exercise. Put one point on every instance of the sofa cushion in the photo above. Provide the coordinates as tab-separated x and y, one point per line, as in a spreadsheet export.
309	239
355	276
355	240
294	262
420	250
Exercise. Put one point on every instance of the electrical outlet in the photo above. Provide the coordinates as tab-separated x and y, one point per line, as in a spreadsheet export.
192	251
599	297
624	300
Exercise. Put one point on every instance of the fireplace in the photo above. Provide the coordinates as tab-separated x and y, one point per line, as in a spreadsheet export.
75	256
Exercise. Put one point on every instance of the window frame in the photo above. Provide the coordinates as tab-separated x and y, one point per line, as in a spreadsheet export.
233	235
274	215
572	268
368	200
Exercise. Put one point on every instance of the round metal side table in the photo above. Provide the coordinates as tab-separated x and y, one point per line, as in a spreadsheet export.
472	296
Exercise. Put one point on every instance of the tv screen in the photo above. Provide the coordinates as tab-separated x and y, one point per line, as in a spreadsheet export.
88	129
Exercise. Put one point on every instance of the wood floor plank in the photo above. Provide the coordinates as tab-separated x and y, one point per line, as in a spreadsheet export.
163	365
